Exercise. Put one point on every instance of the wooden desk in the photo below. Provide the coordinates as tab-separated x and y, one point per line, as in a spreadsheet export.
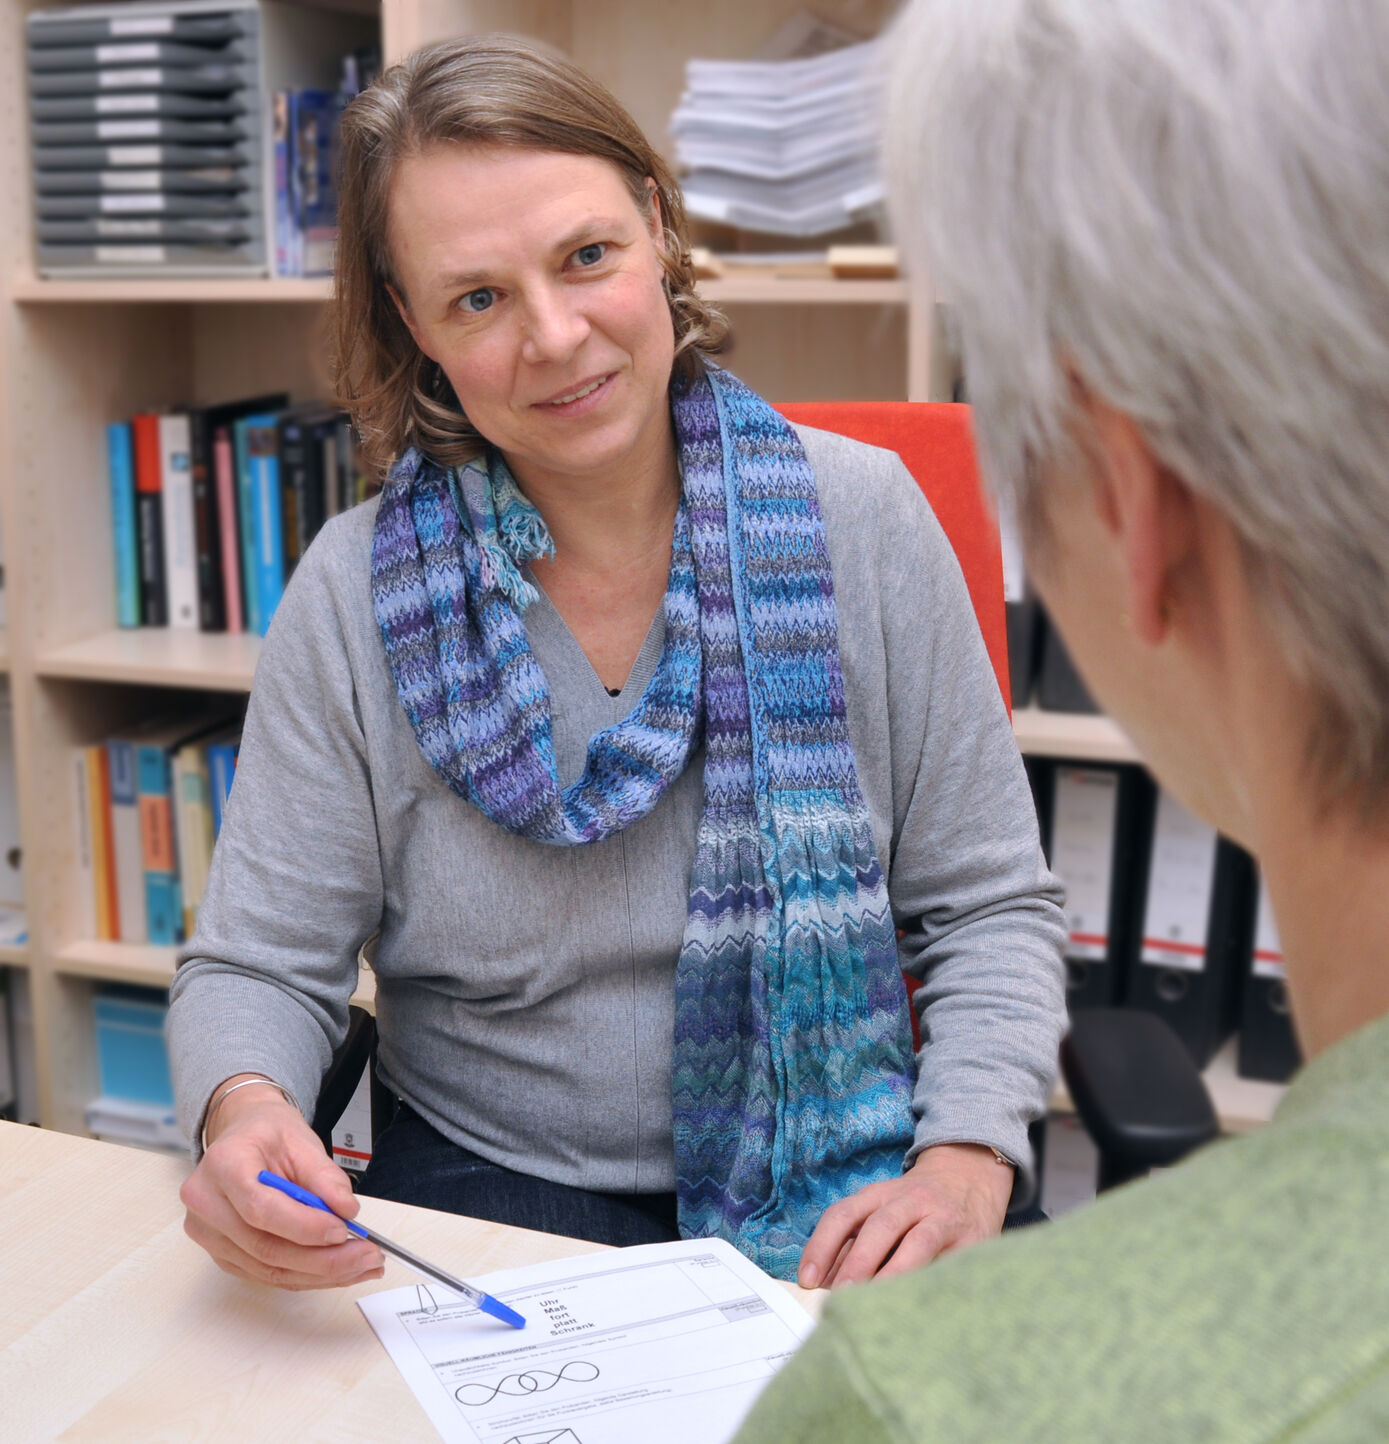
114	1327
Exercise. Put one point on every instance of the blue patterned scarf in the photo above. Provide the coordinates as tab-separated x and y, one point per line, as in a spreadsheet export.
792	1071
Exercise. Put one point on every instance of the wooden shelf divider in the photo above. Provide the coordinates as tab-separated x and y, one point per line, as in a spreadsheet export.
150	966
158	657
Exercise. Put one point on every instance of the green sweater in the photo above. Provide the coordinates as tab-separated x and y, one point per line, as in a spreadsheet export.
1241	1296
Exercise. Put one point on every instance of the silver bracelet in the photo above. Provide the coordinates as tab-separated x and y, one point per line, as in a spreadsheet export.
226	1093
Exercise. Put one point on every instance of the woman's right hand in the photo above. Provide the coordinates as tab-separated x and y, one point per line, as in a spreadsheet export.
256	1232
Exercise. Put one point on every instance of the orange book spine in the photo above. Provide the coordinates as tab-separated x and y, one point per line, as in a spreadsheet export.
108	916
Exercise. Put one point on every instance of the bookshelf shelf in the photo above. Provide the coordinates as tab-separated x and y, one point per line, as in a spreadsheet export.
14	955
768	287
152	967
749	286
140	963
1076	735
1242	1104
222	662
29	289
158	657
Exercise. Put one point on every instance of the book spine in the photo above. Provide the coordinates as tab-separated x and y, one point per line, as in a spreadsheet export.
328	465
89	899
122	473
224	468
180	536
286	249
314	120
127	847
148	521
247	529
193	829
212	614
163	905
294	443
322	442
346	462
103	844
221	766
269	513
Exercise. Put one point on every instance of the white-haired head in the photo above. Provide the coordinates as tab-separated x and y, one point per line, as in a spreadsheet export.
1184	205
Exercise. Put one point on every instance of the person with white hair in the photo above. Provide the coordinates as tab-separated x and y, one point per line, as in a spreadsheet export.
1165	229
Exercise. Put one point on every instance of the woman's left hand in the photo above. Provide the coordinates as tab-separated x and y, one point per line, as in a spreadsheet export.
955	1194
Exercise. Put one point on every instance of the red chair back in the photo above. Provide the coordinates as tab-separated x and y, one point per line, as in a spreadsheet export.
935	443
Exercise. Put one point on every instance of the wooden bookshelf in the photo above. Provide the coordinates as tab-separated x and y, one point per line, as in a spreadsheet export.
76	354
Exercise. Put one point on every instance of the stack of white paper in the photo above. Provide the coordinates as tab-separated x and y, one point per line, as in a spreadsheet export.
788	146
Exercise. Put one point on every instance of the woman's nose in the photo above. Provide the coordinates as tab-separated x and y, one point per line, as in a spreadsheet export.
553	326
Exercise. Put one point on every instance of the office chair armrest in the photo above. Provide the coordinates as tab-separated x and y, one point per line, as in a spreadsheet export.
344	1073
1136	1090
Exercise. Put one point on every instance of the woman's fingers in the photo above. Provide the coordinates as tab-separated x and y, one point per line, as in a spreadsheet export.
838	1225
331	1268
257	1232
954	1195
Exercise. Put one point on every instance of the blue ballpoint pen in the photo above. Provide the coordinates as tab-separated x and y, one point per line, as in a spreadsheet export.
484	1301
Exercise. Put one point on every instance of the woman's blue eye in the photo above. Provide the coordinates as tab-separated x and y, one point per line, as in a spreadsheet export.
479	300
590	255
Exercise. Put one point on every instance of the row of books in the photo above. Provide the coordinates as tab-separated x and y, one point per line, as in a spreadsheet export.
148	807
212	508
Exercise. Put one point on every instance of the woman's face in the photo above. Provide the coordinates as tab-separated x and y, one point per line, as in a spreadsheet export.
534	281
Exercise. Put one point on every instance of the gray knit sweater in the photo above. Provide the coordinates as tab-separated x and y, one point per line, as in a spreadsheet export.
524	991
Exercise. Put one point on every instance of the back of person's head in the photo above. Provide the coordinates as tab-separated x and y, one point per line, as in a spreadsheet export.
489	90
1181	208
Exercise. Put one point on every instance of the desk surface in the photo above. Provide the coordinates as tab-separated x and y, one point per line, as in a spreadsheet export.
114	1327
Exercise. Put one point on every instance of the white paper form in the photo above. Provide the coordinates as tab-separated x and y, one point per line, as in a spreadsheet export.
1082	854
1180	881
668	1342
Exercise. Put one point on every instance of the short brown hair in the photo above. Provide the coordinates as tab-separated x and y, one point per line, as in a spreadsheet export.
480	90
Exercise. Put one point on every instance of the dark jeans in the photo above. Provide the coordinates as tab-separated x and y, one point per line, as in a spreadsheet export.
412	1162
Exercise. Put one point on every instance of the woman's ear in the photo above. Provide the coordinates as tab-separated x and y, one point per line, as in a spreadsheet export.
655	218
1147	510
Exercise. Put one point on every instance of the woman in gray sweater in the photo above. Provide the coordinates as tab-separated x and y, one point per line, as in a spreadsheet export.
638	723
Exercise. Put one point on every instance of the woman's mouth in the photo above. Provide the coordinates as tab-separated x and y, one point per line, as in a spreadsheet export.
580	398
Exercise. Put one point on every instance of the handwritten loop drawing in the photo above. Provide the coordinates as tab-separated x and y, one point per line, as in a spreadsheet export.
519	1386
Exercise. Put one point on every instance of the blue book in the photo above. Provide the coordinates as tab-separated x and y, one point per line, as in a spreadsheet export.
221	767
121	462
246	518
268	527
313	121
163	897
288	257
